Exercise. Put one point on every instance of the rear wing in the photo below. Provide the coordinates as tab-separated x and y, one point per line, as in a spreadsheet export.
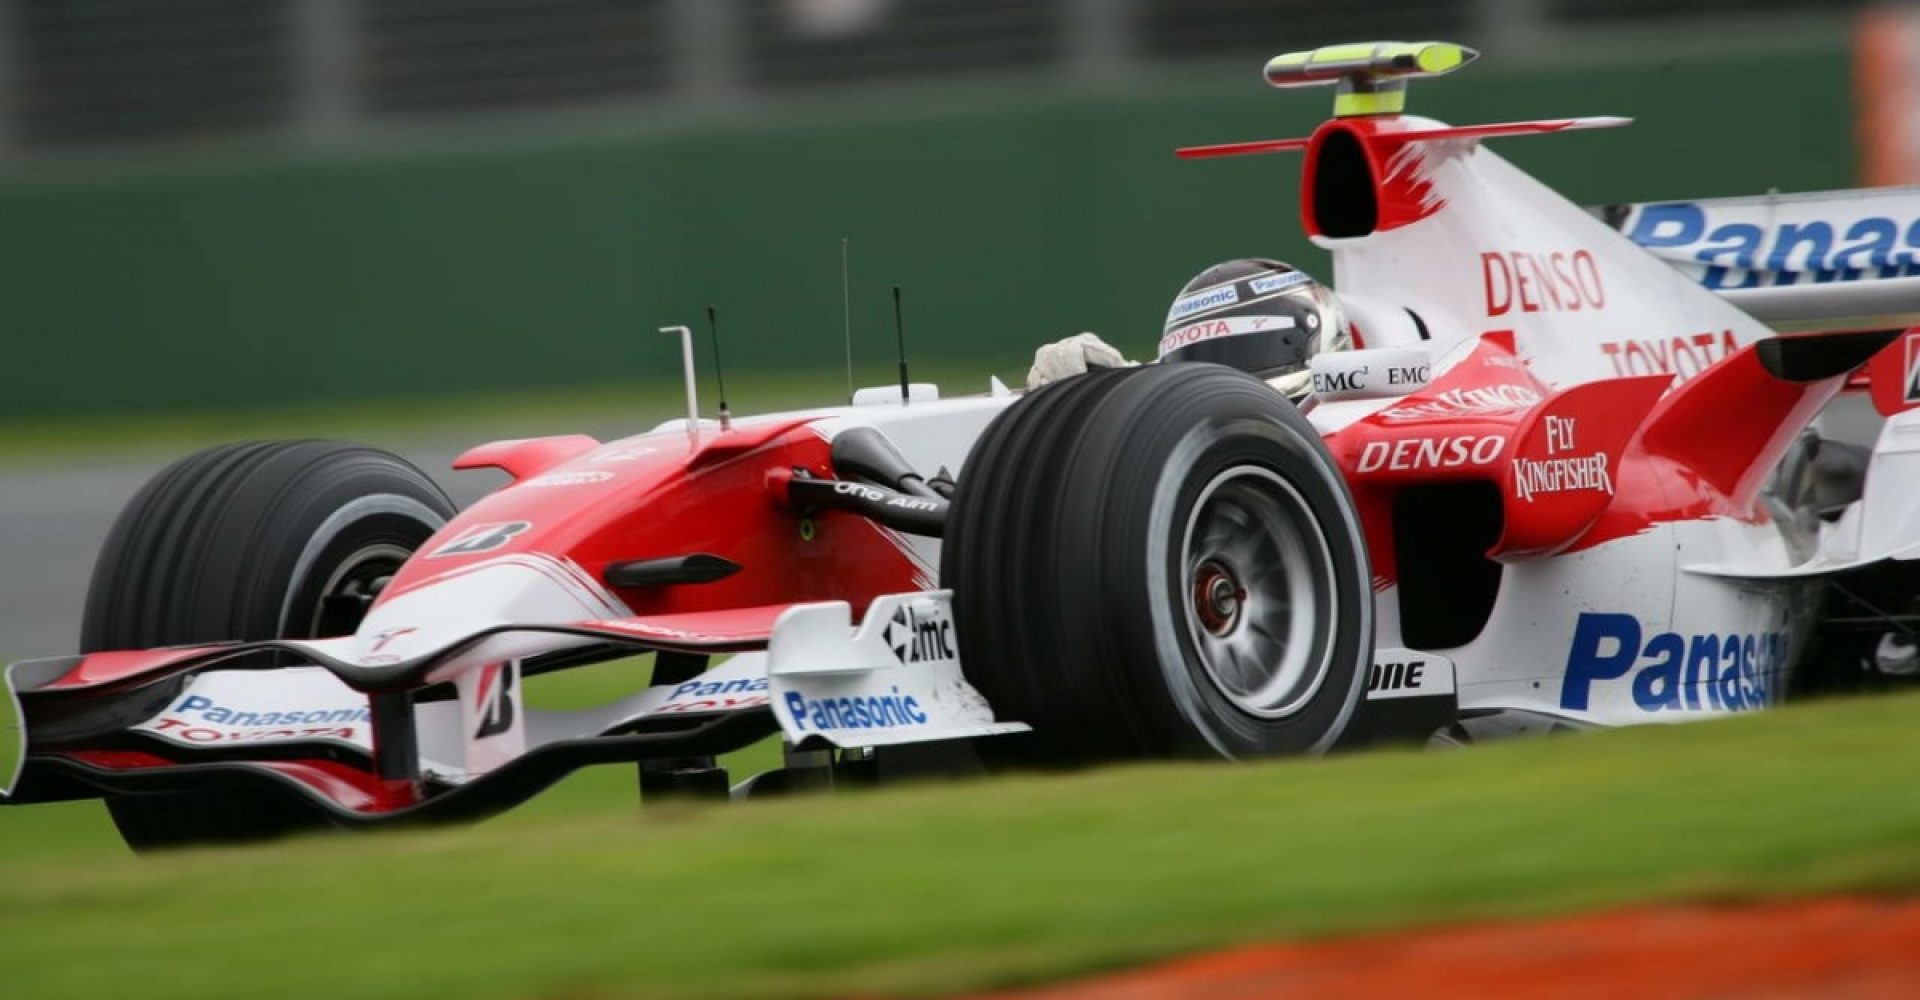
1828	260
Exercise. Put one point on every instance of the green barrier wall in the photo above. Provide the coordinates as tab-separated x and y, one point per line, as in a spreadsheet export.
1008	221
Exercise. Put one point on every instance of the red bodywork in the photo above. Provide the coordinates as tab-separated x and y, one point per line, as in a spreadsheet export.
1702	450
663	495
575	508
654	496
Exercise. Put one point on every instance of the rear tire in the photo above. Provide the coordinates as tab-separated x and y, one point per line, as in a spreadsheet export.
1158	562
254	541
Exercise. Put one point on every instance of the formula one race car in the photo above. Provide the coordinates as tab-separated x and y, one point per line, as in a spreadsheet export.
1553	482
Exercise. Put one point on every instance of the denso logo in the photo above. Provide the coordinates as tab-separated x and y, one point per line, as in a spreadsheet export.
1412	454
1557	281
1746	254
1669	671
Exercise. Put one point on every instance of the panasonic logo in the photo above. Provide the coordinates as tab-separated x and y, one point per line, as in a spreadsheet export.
1199	302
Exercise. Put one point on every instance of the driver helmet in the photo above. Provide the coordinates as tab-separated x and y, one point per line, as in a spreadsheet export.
1260	316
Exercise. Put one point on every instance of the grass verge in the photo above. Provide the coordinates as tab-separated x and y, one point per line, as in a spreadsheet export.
940	889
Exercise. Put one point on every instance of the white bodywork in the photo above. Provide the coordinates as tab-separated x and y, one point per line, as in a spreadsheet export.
1592	635
1682	620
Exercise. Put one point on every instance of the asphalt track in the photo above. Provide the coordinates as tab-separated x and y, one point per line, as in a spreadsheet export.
54	513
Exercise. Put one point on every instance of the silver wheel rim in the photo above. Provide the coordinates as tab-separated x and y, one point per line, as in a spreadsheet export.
1257	592
337	522
357	580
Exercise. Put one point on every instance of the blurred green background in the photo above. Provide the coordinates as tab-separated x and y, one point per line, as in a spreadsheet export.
1011	214
373	218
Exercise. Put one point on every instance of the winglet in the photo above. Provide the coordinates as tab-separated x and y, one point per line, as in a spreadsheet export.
1546	126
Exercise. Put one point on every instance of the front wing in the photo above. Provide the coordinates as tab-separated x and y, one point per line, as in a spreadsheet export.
446	734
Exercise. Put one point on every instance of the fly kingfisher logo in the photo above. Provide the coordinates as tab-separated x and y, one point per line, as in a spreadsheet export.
494	701
1912	393
921	636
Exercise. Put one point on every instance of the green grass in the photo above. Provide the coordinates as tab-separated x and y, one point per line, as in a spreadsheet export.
946	888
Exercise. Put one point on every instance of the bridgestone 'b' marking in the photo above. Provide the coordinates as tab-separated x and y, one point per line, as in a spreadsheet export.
481	538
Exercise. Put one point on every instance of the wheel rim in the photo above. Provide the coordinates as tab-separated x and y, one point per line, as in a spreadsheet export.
351	587
1258	599
387	528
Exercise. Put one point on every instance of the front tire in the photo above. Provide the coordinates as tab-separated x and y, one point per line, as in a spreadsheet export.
256	541
1159	562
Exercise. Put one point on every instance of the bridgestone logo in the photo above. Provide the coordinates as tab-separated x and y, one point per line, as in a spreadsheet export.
1558	475
481	538
1912	395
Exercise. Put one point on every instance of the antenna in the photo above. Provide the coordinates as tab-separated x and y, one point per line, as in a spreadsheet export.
713	330
686	368
900	338
846	315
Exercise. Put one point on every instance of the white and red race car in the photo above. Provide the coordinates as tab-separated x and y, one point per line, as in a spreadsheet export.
1558	482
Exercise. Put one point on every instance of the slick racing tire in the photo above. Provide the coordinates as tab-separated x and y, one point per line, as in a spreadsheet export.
1156	562
254	541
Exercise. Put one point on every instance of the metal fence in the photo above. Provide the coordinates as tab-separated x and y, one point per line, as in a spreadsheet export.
80	74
